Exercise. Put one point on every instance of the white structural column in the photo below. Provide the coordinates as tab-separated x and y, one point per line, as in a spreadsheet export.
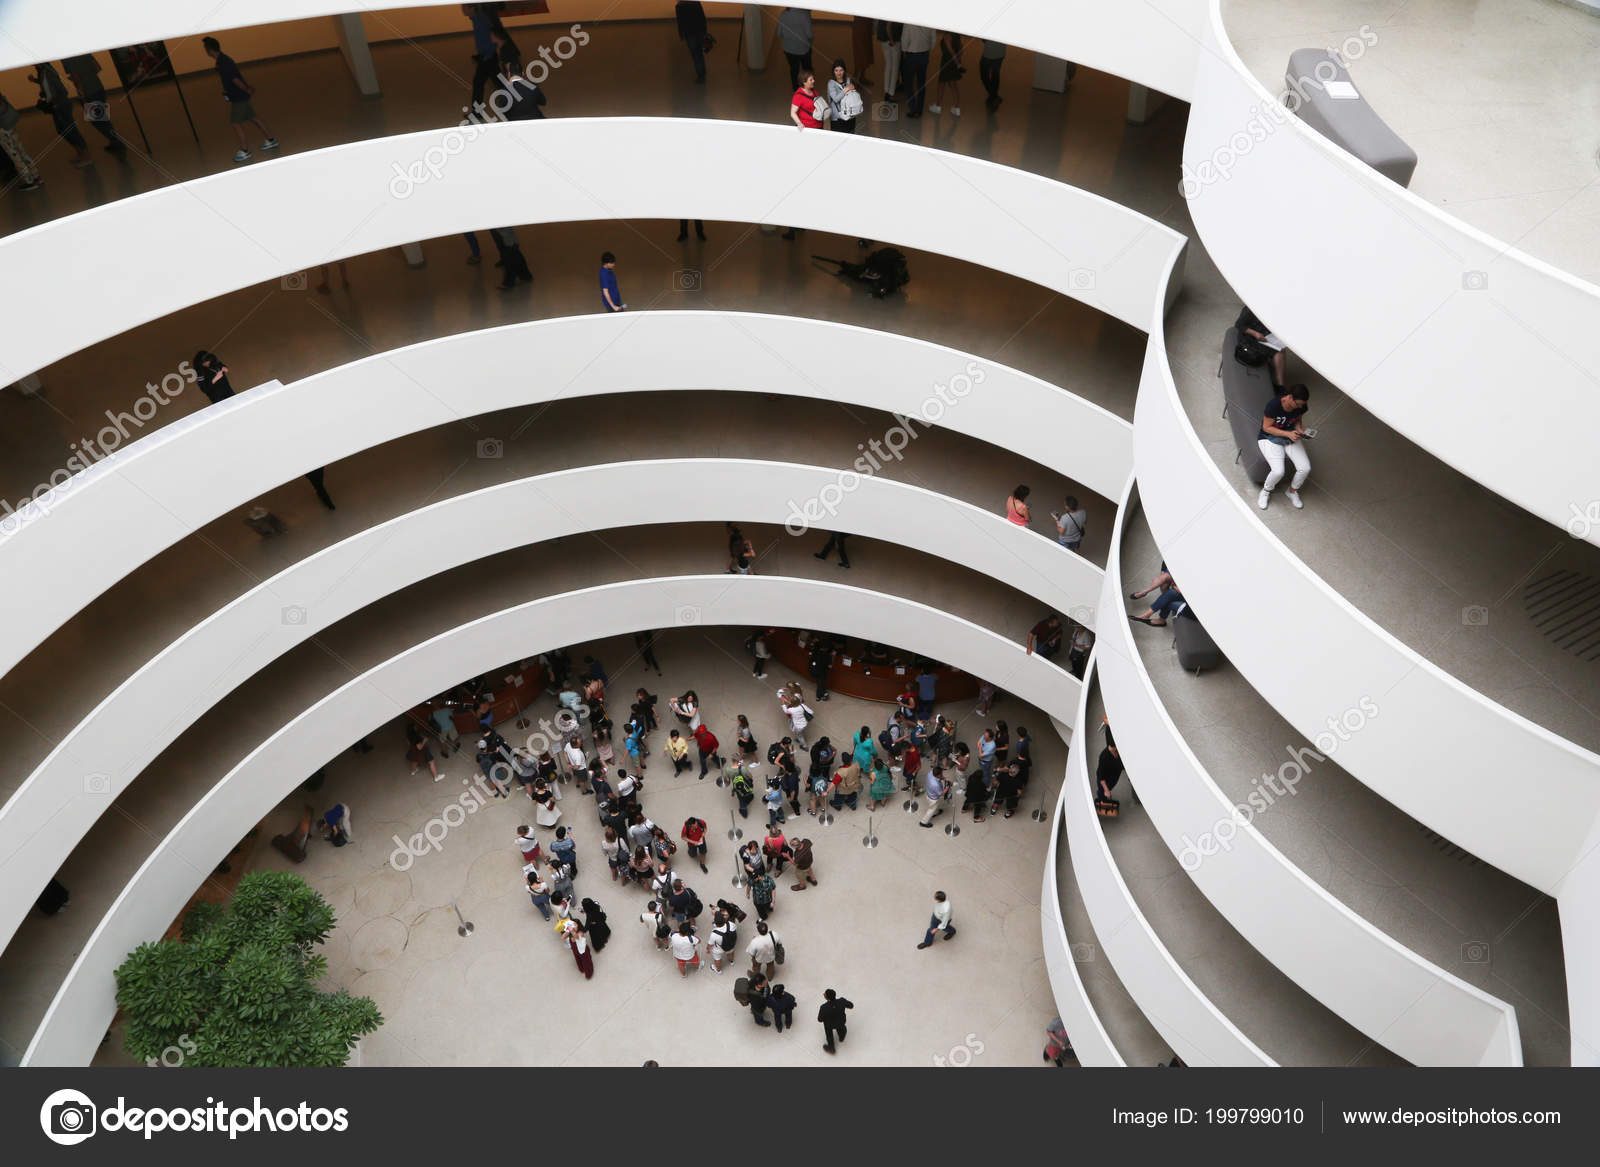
85	1004
357	52
755	38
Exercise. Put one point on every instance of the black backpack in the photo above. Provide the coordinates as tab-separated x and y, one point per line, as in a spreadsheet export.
741	990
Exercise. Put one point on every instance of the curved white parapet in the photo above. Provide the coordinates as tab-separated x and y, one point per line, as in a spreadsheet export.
1090	1041
50	813
112	518
1480	354
1152	42
1439	750
1173	1004
261	222
84	1005
1405	1003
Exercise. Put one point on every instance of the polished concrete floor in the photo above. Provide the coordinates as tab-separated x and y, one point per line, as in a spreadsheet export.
1436	900
43	948
509	994
1282	1019
1499	99
1450	569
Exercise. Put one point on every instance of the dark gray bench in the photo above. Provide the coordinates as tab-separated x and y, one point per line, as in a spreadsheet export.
1196	649
1245	393
1348	122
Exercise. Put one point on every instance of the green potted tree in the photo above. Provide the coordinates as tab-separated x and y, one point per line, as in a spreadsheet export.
239	987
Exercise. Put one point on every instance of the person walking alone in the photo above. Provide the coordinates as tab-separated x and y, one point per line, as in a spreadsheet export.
794	33
610	294
994	56
916	43
84	73
54	100
692	31
832	1016
237	92
942	911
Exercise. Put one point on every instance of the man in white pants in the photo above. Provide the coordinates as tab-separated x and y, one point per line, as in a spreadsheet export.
1282	432
889	41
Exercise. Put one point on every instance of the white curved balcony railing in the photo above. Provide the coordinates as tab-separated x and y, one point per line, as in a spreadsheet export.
112	518
1090	1041
1174	1004
1402	1001
84	1005
1434	327
50	813
1405	297
1152	43
1439	750
261	222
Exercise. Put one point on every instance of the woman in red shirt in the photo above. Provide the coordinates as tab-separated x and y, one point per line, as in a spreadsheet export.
803	108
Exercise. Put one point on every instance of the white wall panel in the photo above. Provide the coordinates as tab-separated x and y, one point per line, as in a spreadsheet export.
107	521
85	1004
52	811
1407	1004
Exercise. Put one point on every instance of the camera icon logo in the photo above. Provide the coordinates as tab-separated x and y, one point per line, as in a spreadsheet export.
294	282
885	111
491	448
294	614
686	280
68	1117
1081	279
1475	616
686	614
97	784
1475	952
96	111
1082	953
1474	281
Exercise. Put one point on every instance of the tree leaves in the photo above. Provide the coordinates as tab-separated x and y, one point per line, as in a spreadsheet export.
240	984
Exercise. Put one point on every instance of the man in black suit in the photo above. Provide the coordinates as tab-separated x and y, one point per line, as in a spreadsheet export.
832	1016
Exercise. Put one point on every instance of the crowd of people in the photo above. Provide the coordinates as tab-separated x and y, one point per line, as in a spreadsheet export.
798	776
